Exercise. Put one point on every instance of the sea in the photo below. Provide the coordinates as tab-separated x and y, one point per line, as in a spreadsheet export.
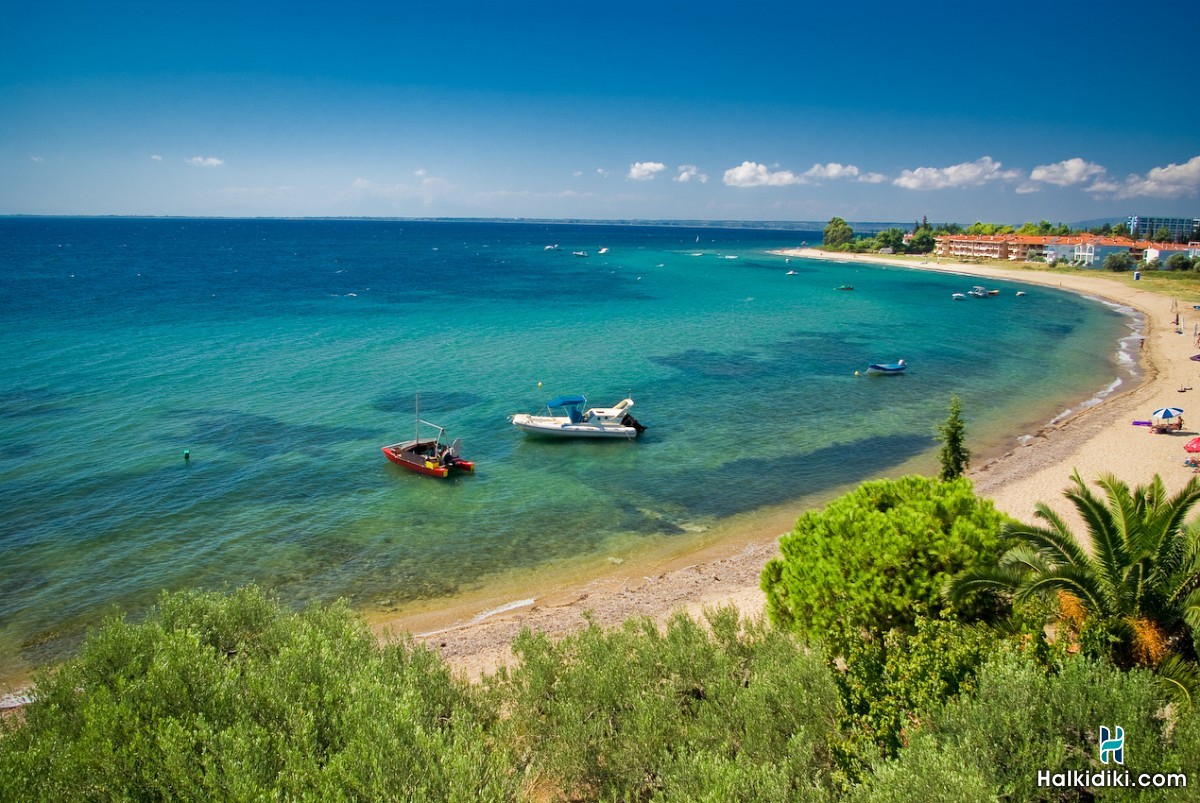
280	355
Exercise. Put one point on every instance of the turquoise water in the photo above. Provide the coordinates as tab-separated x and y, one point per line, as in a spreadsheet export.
283	354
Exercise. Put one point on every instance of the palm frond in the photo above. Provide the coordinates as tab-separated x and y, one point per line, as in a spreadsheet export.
1111	524
998	580
1024	557
1056	544
1081	584
1178	680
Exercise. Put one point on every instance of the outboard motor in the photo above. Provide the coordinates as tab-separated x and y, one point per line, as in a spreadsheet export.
630	421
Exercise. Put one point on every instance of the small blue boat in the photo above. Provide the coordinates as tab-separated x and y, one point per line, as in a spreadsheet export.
887	367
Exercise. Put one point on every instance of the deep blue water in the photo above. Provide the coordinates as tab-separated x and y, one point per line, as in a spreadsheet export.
282	354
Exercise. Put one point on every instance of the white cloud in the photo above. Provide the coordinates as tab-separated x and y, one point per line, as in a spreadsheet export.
1103	185
967	174
1172	181
1067	173
156	157
205	161
833	170
644	171
601	172
36	159
689	172
753	174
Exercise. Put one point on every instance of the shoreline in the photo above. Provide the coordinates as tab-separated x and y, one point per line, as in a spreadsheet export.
474	635
473	632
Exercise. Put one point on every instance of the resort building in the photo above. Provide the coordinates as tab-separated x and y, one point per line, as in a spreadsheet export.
1182	229
1087	250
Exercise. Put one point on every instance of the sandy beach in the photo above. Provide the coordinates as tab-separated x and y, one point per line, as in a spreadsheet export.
474	634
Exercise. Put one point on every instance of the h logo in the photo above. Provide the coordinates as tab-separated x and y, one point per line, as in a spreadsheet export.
1112	745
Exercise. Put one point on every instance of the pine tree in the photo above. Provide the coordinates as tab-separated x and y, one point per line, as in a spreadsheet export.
955	456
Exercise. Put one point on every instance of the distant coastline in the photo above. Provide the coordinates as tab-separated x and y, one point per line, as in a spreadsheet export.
808	226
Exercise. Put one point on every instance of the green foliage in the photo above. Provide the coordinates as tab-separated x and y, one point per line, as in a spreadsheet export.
989	229
636	712
1134	597
1020	719
1178	262
954	456
1118	262
229	697
875	557
892	238
838	233
922	242
1044	228
890	685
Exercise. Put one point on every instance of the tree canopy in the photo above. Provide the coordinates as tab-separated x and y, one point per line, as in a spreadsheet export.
838	233
875	557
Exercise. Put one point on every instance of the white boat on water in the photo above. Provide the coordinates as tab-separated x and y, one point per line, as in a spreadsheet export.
580	421
887	368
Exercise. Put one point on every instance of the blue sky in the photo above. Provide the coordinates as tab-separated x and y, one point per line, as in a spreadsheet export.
569	109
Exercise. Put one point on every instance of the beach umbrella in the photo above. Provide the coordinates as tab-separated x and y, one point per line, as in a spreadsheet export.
1166	413
1192	446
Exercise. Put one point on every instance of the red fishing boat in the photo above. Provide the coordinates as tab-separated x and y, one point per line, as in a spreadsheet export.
428	455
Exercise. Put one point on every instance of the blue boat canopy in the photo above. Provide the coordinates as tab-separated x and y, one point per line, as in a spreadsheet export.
566	401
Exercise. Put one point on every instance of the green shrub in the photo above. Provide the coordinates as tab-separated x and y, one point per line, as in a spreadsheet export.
229	697
1021	719
637	712
875	557
892	685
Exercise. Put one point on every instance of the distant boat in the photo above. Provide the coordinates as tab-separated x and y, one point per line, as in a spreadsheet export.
993	292
593	422
897	367
551	247
959	296
603	250
846	287
1022	292
427	455
978	292
580	253
792	273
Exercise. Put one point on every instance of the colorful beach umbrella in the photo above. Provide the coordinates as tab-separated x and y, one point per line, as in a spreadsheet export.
1192	446
1167	413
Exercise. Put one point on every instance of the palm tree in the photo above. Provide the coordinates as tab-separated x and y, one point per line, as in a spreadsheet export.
1138	587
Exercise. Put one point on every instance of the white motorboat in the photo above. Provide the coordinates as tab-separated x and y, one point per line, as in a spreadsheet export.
580	421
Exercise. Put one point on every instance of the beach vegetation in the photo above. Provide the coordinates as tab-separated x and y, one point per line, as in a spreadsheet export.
714	710
1131	596
954	455
227	696
889	682
838	234
1043	228
875	558
1020	718
922	242
1118	262
1179	262
231	697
